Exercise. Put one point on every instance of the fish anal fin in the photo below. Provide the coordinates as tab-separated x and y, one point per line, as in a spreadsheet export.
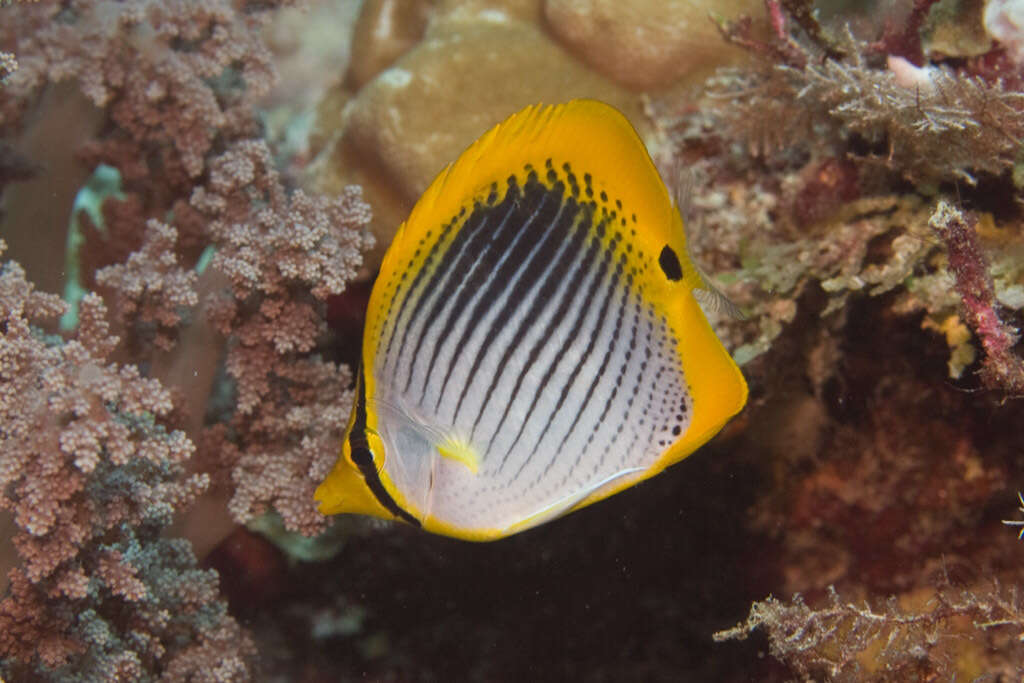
587	495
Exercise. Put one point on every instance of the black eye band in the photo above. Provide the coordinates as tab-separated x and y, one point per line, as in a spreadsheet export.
362	456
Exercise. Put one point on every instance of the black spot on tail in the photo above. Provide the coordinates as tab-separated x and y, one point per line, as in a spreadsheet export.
669	263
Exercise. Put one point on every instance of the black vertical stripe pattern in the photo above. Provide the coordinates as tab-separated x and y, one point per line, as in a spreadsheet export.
618	383
569	294
544	285
576	327
458	259
362	456
603	368
541	210
410	295
489	246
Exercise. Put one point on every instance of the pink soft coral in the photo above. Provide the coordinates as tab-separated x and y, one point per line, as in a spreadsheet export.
92	474
282	262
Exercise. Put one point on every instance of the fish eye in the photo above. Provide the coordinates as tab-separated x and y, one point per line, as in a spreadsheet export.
669	263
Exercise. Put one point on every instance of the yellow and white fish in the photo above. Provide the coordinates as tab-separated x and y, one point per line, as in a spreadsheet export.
532	342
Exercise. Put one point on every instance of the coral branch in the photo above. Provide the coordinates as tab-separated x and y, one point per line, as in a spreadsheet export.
841	637
92	464
151	288
1002	368
150	64
282	260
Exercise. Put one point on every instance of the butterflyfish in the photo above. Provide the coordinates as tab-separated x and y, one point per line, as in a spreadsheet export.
532	343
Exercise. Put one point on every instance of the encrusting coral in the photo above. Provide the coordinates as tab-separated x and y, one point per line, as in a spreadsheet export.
834	129
929	123
845	641
1001	366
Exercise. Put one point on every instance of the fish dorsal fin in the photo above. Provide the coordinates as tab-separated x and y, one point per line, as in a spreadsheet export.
563	131
711	297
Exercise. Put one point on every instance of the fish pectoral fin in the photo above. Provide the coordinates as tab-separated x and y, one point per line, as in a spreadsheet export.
461	451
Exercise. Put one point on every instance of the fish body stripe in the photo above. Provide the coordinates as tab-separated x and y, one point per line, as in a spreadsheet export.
490	309
467	269
470	284
417	300
583	271
538	291
605	305
462	260
516	283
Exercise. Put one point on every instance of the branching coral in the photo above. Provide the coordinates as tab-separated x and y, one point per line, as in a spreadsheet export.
1001	367
282	260
844	641
93	474
150	289
179	83
92	465
928	124
174	82
151	65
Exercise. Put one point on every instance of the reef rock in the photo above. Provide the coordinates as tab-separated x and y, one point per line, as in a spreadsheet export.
478	63
1004	21
645	44
384	31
